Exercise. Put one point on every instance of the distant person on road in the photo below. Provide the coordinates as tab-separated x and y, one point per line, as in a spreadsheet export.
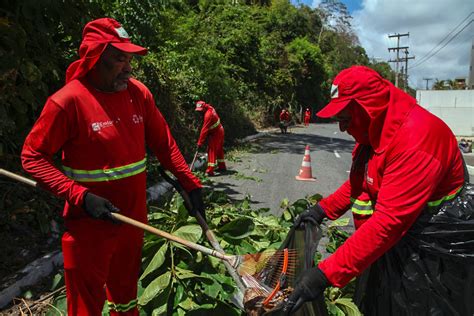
406	165
465	146
212	131
101	121
285	119
307	117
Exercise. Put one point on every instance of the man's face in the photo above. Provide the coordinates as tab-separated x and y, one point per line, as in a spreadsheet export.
114	69
355	121
344	119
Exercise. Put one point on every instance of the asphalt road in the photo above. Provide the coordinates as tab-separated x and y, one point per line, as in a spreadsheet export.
275	159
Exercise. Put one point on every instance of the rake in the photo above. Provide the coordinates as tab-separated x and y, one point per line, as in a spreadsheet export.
271	267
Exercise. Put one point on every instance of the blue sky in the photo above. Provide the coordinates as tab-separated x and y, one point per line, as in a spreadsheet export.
352	5
441	34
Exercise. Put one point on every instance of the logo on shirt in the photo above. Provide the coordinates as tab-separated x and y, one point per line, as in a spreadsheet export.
97	126
137	119
369	180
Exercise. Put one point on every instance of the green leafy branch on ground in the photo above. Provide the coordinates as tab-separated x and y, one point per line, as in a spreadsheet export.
179	281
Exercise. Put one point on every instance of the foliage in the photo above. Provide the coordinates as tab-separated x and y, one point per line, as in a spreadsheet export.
247	58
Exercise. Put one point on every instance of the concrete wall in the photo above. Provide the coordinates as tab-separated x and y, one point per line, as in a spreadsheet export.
455	107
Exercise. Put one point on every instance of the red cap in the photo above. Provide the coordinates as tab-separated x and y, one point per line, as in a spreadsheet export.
200	106
107	30
96	36
350	84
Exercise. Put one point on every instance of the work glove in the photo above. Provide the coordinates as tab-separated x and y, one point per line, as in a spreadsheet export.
309	286
99	208
197	203
314	214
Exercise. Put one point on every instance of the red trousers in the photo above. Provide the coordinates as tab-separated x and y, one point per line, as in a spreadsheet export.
215	150
306	120
101	261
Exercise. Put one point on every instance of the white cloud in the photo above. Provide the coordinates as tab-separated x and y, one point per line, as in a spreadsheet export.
428	22
315	3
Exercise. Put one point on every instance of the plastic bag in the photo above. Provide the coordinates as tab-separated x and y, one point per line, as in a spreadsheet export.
431	270
305	241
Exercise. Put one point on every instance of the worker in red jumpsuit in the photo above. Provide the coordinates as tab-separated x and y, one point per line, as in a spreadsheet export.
307	117
100	121
285	119
212	131
405	163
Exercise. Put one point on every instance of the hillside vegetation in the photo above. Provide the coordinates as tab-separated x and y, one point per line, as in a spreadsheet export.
247	58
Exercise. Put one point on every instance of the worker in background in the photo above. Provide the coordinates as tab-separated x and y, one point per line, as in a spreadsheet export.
212	131
99	121
406	165
307	117
285	119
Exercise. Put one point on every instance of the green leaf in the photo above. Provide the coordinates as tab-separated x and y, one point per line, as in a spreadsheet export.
238	228
157	261
155	288
339	222
189	232
333	310
348	306
58	280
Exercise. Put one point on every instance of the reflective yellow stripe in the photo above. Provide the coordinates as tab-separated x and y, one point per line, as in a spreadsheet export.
445	198
210	164
100	175
361	207
215	124
220	160
122	307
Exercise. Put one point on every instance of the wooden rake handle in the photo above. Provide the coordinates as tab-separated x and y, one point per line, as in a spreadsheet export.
138	224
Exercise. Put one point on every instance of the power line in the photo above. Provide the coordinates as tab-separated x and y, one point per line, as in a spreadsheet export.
439	49
467	17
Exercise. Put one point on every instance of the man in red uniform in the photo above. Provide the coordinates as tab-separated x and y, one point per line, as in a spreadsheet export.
405	163
307	117
213	131
285	119
100	120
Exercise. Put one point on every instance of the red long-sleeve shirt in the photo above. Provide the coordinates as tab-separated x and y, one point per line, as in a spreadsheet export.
416	161
210	124
102	137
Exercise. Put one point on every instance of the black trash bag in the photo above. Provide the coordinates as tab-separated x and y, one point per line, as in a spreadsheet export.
431	270
305	240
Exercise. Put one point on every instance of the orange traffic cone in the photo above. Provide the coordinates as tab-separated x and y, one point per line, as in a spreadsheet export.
305	170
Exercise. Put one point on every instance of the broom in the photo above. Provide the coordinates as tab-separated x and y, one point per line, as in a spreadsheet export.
248	265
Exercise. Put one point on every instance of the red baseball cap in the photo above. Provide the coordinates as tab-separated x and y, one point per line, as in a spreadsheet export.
107	30
350	84
200	105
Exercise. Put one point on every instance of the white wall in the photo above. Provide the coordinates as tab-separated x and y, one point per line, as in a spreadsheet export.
454	107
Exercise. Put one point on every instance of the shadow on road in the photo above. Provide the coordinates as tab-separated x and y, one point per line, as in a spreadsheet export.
294	142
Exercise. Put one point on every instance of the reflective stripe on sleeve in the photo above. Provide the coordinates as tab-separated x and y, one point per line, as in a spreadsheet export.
100	175
446	198
362	207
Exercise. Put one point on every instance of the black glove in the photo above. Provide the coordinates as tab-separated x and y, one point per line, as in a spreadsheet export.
99	208
314	214
197	204
309	286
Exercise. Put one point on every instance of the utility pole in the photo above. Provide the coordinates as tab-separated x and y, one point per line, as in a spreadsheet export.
427	80
406	68
397	49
